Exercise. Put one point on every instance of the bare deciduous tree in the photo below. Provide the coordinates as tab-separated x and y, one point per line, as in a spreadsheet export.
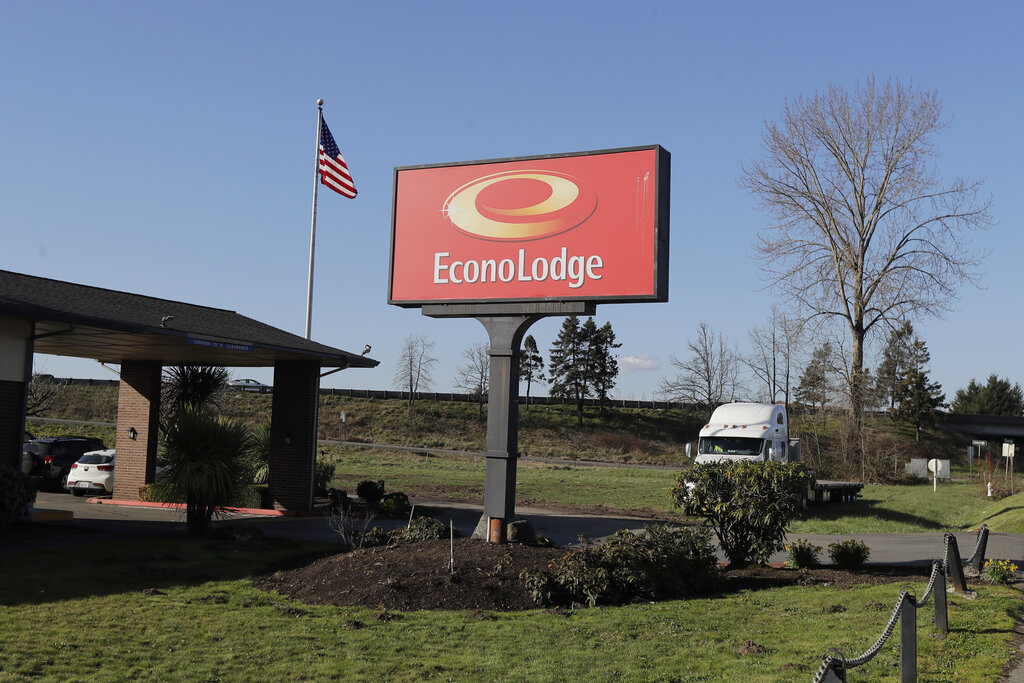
774	348
43	392
709	376
864	229
414	366
474	374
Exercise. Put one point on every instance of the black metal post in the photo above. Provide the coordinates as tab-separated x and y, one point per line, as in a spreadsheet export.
908	640
978	562
836	673
941	612
954	565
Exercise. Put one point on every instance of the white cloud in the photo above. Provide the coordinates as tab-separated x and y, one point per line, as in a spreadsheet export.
641	363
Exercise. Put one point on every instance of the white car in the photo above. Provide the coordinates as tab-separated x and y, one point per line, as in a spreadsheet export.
248	385
92	473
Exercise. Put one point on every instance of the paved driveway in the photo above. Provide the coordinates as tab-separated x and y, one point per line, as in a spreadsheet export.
561	528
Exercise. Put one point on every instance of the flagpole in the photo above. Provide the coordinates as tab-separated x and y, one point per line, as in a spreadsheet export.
312	228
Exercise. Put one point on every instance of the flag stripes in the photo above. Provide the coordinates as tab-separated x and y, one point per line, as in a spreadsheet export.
333	170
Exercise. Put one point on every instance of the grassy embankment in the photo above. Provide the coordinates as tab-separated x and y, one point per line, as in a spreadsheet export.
649	436
87	613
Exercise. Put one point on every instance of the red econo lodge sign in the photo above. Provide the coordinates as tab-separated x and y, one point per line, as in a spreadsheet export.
584	226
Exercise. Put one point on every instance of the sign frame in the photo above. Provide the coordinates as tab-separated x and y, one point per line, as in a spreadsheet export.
659	290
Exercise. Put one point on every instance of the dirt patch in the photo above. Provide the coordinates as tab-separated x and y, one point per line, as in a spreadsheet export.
417	576
749	647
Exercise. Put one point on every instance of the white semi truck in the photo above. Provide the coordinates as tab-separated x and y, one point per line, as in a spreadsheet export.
760	431
747	431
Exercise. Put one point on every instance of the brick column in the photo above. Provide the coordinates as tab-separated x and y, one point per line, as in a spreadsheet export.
138	407
15	375
293	434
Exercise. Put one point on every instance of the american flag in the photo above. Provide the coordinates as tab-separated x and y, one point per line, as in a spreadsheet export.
333	170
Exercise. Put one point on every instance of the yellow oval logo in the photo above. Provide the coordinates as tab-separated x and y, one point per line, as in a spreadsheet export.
520	205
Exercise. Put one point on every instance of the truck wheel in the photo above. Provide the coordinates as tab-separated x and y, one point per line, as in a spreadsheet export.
64	482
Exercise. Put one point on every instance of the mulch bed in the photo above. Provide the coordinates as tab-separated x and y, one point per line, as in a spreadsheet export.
417	576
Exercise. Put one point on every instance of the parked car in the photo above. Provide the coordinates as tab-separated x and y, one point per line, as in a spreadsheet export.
248	385
92	473
48	460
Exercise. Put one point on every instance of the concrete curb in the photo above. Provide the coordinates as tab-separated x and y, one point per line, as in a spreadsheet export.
180	506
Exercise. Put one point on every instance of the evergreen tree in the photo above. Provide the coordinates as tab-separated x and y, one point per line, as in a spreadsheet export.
996	397
581	363
604	365
917	398
816	381
531	365
894	363
567	364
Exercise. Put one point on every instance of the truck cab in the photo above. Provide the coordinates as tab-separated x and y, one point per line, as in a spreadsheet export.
745	431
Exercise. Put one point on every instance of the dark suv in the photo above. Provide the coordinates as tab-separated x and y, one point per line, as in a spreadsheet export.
47	461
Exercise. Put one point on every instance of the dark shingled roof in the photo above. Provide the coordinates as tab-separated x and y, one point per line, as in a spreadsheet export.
112	326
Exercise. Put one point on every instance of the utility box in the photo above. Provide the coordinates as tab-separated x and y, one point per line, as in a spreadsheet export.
919	468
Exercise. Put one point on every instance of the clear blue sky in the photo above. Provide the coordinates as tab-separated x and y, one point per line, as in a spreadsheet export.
167	148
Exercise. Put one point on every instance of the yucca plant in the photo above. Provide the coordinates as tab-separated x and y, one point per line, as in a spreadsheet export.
261	453
209	464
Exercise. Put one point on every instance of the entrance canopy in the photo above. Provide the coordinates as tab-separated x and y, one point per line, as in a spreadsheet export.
142	334
113	327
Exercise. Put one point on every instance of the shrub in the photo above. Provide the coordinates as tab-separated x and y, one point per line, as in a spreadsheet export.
261	452
424	529
370	491
250	496
661	563
246	496
848	554
354	526
374	536
394	505
156	493
747	503
998	571
803	554
323	472
16	496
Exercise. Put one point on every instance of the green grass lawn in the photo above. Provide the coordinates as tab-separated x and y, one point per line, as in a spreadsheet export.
82	613
881	509
914	508
461	479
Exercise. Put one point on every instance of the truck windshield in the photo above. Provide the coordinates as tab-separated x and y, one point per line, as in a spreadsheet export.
729	445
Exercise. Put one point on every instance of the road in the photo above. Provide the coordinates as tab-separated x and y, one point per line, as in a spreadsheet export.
562	528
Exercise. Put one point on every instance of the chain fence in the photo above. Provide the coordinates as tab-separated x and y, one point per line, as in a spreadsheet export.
834	665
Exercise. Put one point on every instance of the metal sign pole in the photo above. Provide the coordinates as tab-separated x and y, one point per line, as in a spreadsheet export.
506	325
978	444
